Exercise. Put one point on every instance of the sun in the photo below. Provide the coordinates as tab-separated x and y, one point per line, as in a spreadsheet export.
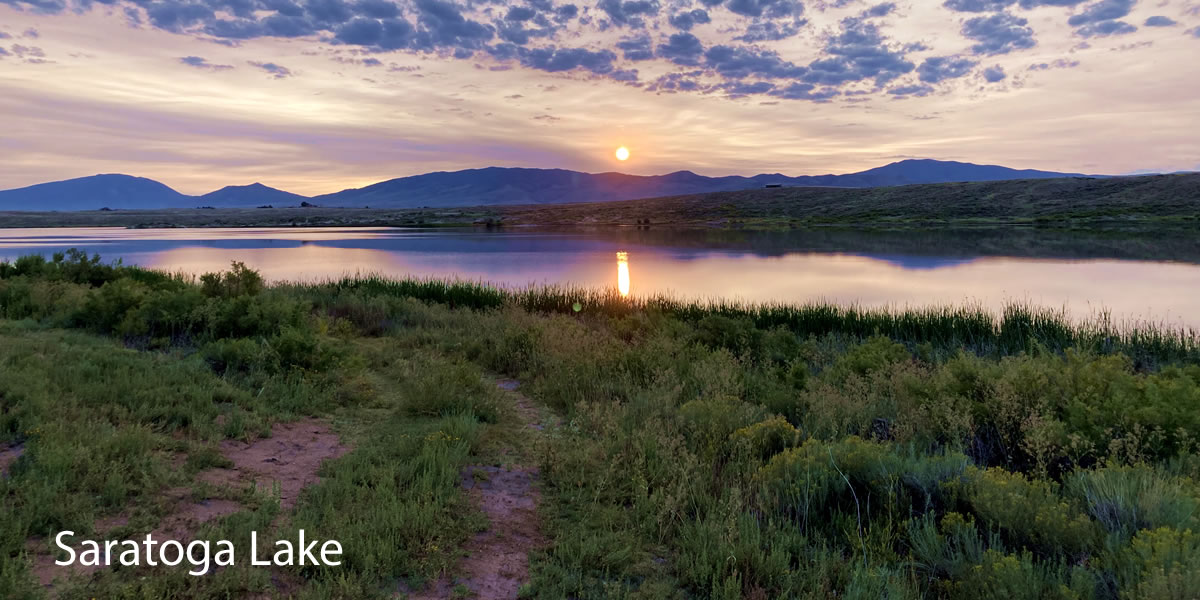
622	153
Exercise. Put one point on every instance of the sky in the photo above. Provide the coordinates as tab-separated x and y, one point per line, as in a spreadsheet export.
315	96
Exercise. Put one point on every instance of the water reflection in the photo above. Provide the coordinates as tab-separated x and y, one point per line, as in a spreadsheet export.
899	269
623	273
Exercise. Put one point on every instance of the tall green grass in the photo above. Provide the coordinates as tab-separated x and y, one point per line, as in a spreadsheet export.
1018	328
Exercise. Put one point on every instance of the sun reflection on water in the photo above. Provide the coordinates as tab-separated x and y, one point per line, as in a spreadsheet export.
623	273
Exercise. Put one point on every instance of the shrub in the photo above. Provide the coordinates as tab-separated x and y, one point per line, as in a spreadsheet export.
227	355
948	551
1165	565
767	438
874	354
110	309
1001	576
709	424
1127	499
296	347
738	336
1028	512
440	389
239	280
806	482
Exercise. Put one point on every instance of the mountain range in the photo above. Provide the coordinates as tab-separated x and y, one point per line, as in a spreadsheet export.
478	187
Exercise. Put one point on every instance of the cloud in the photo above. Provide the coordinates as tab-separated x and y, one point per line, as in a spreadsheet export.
738	63
1099	19
676	82
636	48
31	52
682	49
977	6
443	25
1000	33
1104	10
1061	63
859	52
1194	32
738	89
770	31
628	13
4	36
520	14
1105	28
767	8
278	71
200	63
994	74
555	60
3	51
45	7
911	90
804	91
31	33
937	69
1036	3
734	57
687	20
880	10
1160	21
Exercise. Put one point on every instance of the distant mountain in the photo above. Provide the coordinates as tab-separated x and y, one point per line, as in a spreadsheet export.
490	186
908	172
255	194
127	192
93	193
498	186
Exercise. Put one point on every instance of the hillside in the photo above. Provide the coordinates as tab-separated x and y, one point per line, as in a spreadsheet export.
1144	202
93	193
255	194
493	186
504	186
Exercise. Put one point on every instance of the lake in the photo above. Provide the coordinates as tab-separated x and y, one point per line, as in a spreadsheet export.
1132	277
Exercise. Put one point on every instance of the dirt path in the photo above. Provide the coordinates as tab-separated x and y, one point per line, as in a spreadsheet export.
497	561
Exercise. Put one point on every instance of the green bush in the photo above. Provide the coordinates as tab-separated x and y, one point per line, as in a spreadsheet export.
767	438
1001	576
448	390
874	354
1163	564
1029	513
710	423
1128	499
239	280
738	336
226	355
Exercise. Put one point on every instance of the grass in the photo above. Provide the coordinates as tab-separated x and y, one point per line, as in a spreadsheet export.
1151	202
691	450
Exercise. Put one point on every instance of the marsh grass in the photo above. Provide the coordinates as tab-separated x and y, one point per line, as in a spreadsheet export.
707	450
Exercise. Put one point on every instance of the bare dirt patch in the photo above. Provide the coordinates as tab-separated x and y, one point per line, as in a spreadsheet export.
497	560
8	456
290	457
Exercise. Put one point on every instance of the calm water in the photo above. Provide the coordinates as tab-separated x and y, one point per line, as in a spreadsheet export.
1135	279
